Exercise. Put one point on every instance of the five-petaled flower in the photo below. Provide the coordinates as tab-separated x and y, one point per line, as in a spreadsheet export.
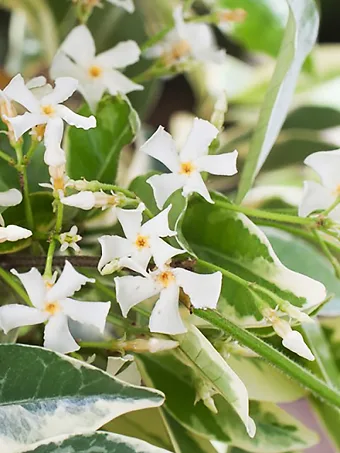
11	197
96	74
187	165
47	110
70	239
318	196
142	241
203	291
187	41
52	304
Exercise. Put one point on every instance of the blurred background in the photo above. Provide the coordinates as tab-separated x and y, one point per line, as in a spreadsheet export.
31	31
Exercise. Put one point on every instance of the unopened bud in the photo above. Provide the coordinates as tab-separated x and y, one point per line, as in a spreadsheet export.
220	109
152	345
111	267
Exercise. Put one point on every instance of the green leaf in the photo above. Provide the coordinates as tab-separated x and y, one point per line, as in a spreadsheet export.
176	381
277	431
230	240
263	382
44	394
314	117
94	154
251	33
97	442
300	36
216	372
299	255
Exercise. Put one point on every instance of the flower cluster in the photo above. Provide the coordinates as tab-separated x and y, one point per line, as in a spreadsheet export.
148	248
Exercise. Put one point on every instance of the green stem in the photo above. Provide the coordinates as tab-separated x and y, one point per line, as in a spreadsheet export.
30	152
226	273
265	214
7	158
332	206
273	356
24	183
335	263
54	241
110	345
156	38
12	282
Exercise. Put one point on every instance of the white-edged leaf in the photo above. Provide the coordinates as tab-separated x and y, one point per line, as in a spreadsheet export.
299	39
44	394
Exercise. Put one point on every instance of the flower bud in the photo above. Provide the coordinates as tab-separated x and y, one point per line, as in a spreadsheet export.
111	267
220	109
87	200
152	345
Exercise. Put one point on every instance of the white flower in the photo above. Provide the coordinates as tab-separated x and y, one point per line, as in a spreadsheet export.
96	74
70	239
49	111
126	4
142	241
11	197
87	200
13	233
52	304
187	165
202	289
318	196
187	41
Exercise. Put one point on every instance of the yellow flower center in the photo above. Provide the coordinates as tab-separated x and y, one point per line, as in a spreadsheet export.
179	49
166	278
142	241
52	308
187	168
39	131
336	191
95	71
48	110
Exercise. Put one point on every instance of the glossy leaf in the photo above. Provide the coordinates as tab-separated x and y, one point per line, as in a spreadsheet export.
97	442
44	394
232	241
216	372
299	39
272	435
263	382
94	154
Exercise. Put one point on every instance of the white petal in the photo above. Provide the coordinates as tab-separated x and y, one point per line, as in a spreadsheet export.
164	185
122	55
92	91
119	83
162	252
220	164
11	197
74	119
12	316
23	123
113	247
36	82
14	233
294	342
63	66
196	184
132	290
180	25
63	89
203	289
314	197
161	146
141	258
201	135
57	335
126	4
159	225
93	313
326	165
165	317
80	46
34	285
83	200
68	283
203	44
54	155
18	91
131	220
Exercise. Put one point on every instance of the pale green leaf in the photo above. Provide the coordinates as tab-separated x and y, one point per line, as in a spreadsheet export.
230	240
44	394
299	39
100	442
